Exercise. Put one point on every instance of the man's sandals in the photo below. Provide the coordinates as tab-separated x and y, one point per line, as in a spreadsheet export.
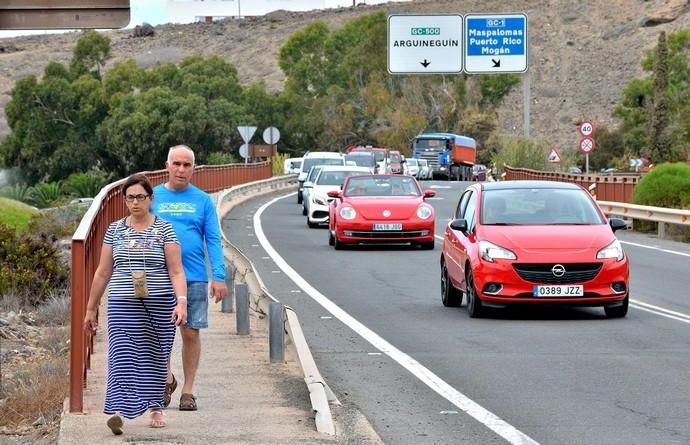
187	402
169	389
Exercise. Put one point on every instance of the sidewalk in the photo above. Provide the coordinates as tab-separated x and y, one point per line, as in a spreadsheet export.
242	397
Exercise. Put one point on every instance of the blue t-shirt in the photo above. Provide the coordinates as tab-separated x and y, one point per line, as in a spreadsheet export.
194	219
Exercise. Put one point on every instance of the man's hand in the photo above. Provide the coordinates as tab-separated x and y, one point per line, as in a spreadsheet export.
218	290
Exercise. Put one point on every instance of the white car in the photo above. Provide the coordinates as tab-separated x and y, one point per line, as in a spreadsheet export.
424	170
308	184
412	167
315	158
292	166
329	178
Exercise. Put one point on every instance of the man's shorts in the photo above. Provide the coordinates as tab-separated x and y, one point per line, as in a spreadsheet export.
197	305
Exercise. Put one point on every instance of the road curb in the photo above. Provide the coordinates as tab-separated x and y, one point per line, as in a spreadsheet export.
320	394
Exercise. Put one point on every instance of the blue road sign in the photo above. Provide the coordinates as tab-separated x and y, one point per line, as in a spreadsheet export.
495	43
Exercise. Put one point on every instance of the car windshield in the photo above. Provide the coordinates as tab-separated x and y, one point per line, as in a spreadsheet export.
395	157
412	162
382	186
310	162
361	160
334	177
538	206
313	173
422	162
478	168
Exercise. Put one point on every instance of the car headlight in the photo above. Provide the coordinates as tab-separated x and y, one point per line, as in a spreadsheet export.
348	213
613	250
490	252
424	212
320	200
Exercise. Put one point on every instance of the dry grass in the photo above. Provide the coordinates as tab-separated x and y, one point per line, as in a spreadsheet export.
55	310
37	390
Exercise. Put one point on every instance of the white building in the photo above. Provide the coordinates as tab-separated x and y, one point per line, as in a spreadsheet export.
186	11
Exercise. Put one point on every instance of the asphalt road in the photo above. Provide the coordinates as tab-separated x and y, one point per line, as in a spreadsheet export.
423	373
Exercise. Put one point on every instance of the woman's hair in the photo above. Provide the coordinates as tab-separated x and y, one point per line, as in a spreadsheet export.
137	179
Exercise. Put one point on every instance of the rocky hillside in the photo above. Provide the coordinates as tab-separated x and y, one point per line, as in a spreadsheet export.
582	54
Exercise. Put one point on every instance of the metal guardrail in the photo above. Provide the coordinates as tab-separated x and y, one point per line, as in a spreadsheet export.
660	215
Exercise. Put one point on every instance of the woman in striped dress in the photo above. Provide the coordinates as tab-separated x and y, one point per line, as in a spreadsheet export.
141	265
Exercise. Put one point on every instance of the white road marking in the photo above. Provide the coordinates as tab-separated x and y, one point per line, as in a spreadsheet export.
656	248
441	187
679	316
469	406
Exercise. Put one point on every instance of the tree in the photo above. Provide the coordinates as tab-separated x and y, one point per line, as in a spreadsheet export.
659	141
90	54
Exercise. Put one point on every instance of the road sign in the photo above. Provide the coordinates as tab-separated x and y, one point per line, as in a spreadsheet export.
636	163
425	44
244	150
554	156
271	135
495	43
586	128
246	132
587	145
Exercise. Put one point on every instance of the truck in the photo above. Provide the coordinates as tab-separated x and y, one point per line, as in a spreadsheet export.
450	156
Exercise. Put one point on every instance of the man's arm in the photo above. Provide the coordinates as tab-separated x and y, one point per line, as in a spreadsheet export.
214	247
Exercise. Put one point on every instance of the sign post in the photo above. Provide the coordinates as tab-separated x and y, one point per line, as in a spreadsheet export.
246	132
425	44
587	144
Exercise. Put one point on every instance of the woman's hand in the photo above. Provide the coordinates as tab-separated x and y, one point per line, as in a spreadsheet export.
179	315
91	321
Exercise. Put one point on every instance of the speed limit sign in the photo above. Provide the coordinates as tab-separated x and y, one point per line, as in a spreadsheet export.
586	145
586	128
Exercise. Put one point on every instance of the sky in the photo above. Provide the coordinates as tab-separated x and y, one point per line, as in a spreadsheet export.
154	12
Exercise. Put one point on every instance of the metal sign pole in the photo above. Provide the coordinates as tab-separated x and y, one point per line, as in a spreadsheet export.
587	163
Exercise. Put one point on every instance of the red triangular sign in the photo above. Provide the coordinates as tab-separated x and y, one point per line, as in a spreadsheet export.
554	155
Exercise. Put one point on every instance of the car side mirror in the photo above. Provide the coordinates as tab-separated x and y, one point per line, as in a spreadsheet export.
459	225
617	224
334	193
429	193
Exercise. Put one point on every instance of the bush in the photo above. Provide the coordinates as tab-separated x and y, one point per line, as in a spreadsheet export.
220	158
47	194
277	163
18	192
667	185
521	152
60	222
31	266
15	214
86	185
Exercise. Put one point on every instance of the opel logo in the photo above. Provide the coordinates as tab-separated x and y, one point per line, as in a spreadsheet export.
558	270
386	213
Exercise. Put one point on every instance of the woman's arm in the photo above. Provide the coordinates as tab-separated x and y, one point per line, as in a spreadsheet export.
173	260
98	285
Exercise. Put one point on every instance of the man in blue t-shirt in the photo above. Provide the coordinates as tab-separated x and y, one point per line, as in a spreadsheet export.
193	216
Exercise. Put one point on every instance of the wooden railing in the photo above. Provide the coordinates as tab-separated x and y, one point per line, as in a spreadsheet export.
617	188
86	250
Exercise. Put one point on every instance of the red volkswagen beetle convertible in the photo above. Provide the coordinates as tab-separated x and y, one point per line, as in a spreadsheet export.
532	242
381	208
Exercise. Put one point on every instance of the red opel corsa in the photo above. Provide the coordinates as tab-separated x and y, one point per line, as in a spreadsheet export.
381	208
532	242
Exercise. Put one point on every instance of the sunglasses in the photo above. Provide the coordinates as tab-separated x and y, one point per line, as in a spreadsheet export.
132	198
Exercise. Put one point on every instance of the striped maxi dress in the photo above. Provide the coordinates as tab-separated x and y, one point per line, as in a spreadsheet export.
140	330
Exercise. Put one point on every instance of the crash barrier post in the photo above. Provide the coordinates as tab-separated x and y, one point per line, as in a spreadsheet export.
242	298
226	304
276	332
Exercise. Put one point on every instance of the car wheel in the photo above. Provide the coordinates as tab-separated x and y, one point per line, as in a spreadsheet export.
331	238
299	198
474	304
311	225
304	211
617	311
450	296
337	243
